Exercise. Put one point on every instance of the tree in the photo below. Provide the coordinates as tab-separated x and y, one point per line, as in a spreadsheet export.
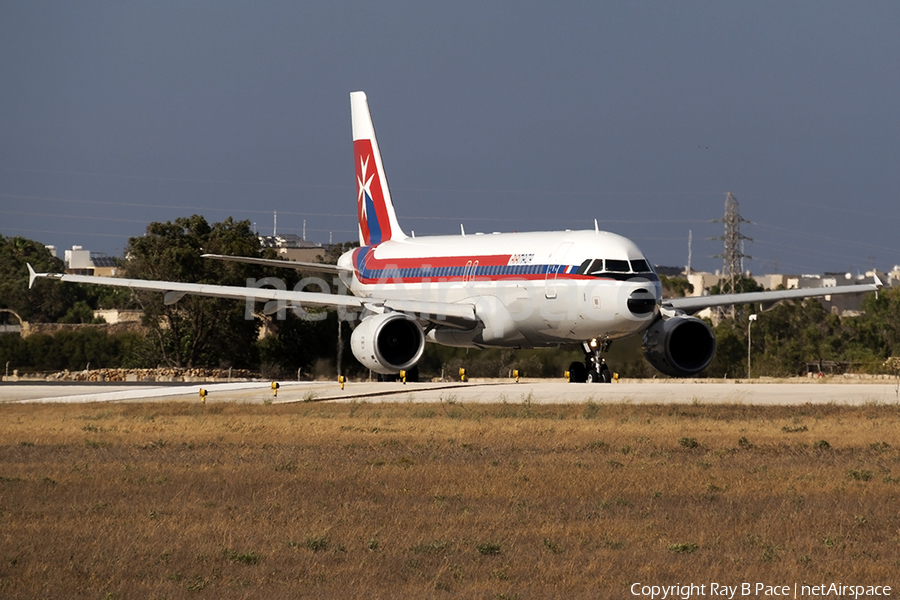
675	287
731	351
299	343
878	331
334	252
197	330
796	332
81	312
742	285
48	300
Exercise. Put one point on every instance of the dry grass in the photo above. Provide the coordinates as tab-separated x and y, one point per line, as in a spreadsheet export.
441	501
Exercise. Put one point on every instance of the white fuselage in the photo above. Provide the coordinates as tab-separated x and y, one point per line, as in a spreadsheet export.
528	289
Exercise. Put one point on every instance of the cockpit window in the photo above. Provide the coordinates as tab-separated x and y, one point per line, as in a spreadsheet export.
641	266
596	267
584	267
617	266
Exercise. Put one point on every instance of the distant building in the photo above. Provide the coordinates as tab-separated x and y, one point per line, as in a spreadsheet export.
104	266
703	282
292	247
84	262
845	305
79	259
849	305
893	278
770	282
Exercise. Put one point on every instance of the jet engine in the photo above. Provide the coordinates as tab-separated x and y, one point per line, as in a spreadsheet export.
388	343
679	346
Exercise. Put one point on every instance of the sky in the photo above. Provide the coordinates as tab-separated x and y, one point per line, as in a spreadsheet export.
499	115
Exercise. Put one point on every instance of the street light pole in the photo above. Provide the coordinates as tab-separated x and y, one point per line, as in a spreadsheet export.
749	324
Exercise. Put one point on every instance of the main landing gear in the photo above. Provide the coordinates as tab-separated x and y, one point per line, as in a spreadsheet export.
594	368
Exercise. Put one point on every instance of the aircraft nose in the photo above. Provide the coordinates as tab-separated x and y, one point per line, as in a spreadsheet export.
641	301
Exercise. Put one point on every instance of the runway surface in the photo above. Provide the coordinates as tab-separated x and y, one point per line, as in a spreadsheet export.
539	391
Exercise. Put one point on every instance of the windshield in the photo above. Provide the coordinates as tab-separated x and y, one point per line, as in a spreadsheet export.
641	266
597	267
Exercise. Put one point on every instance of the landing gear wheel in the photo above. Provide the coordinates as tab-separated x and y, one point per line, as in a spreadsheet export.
605	375
577	372
601	376
595	369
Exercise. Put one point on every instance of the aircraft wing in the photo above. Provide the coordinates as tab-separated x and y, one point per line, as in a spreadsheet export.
274	262
693	304
442	313
175	290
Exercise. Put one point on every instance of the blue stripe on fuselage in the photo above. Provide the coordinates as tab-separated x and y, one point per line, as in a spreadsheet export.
395	274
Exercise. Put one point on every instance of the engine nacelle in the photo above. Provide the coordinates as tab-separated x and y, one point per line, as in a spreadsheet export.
679	346
388	343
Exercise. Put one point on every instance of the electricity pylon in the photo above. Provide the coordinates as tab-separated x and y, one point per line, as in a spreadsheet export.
733	257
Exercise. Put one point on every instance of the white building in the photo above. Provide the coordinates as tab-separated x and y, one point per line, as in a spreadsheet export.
84	262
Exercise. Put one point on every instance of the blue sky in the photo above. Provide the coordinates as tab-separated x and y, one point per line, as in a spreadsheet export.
499	115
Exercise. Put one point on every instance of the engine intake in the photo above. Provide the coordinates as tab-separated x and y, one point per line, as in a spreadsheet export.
679	346
388	343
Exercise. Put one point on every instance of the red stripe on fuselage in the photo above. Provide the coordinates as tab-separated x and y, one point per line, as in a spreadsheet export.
491	260
459	262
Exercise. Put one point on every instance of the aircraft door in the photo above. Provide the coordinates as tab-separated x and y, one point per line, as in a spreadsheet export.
550	287
471	270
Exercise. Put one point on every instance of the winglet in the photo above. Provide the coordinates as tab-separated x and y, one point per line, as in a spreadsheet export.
32	275
878	282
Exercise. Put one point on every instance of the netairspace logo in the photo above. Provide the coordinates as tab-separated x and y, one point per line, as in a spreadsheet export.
743	590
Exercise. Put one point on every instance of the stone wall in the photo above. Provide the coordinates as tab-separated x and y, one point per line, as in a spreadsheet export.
108	328
161	374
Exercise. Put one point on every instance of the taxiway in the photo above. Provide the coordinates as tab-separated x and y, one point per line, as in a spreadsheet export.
537	391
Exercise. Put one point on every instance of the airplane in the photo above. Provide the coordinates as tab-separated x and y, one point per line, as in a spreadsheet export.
513	290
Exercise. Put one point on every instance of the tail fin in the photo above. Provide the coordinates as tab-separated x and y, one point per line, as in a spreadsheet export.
377	219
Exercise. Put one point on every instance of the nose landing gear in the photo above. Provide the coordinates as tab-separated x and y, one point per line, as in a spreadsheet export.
594	368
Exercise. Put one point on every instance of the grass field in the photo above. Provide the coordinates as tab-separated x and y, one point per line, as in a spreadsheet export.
512	500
